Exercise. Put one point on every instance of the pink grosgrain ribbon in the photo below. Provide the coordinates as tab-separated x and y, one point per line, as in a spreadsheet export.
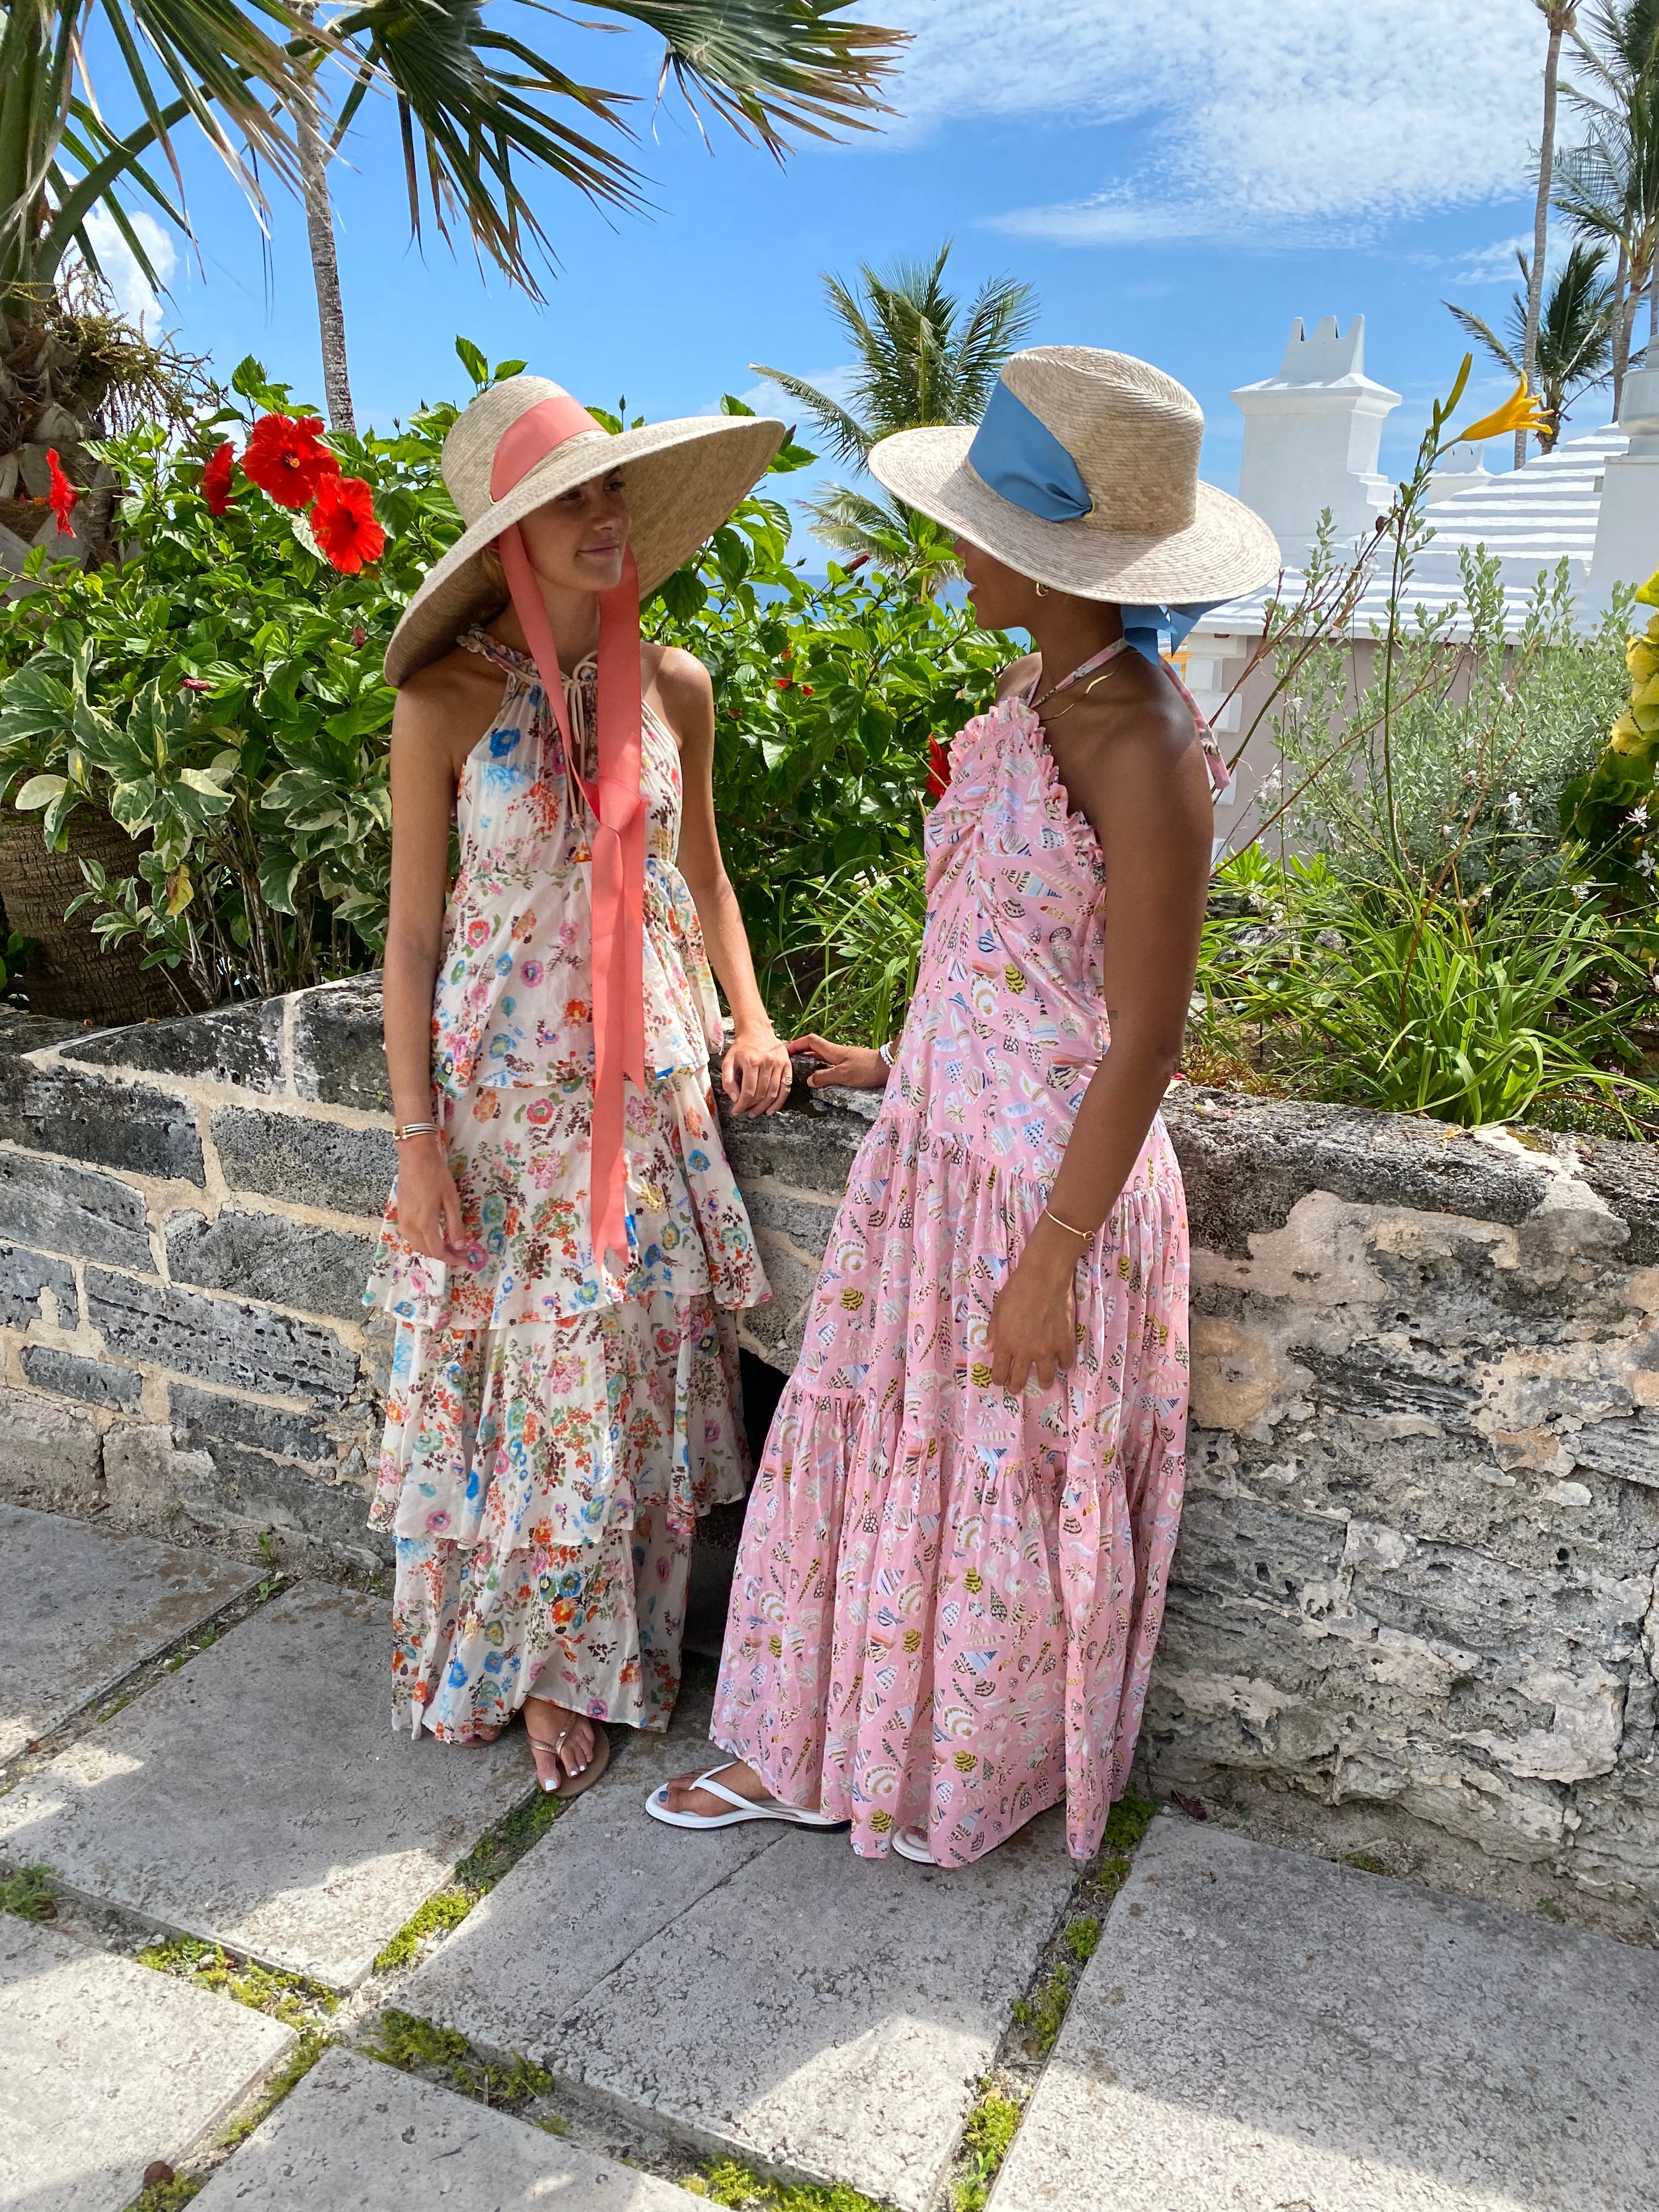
616	987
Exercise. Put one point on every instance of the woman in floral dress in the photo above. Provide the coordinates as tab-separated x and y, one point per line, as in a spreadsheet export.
565	1246
954	1563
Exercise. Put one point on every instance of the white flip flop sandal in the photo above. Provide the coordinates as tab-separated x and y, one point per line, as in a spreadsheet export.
743	1808
912	1844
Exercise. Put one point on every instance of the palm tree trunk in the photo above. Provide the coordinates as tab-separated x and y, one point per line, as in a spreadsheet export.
1620	326
1558	19
325	268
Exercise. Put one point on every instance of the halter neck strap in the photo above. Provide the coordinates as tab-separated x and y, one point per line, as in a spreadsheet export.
1096	661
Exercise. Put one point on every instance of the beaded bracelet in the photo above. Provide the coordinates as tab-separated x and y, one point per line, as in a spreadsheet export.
884	1053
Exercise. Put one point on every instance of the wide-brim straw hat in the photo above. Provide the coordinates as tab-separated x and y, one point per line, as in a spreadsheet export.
681	480
1096	454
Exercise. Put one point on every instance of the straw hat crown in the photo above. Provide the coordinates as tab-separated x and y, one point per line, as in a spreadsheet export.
469	449
1134	431
1085	478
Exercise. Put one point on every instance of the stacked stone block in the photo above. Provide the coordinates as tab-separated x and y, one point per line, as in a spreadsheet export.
187	1212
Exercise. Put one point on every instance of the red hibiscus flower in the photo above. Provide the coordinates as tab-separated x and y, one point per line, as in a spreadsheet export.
62	496
938	769
342	523
286	459
215	479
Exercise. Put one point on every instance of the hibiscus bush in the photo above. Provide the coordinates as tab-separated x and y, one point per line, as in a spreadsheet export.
218	690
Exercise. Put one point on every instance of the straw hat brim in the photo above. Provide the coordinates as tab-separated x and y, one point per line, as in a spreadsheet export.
1226	549
681	479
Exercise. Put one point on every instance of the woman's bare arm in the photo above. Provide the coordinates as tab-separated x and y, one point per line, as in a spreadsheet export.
756	1070
1136	770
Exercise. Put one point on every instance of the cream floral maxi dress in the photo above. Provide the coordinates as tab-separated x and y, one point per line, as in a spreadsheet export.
553	1431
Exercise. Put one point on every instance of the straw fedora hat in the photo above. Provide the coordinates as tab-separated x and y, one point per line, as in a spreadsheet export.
1083	476
681	480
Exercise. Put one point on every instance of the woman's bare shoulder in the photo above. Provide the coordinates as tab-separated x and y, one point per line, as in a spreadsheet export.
1017	675
447	707
679	685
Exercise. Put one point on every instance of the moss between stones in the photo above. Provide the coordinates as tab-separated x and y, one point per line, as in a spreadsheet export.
403	2040
1041	2013
496	1850
28	1894
290	1999
723	2181
992	2126
178	2190
169	2196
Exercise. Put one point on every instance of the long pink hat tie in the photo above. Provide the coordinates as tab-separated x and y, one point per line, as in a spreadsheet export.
616	988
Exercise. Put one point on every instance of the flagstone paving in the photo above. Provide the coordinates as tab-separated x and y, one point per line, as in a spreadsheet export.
1270	2032
355	2137
1259	2030
758	1990
260	1798
83	1607
108	2066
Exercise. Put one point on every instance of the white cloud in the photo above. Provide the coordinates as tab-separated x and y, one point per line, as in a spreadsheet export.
1263	115
132	291
1495	265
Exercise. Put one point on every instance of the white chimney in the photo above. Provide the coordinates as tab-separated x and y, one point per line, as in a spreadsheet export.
1460	468
1311	435
1627	526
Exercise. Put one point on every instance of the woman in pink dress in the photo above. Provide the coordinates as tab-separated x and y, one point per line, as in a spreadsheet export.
954	1563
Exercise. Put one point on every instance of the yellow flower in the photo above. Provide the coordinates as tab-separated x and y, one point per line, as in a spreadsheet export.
1642	659
1649	594
974	1580
1625	736
1646	695
1520	411
852	1300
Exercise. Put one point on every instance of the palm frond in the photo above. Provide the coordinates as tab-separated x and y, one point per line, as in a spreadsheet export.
846	433
770	68
1484	335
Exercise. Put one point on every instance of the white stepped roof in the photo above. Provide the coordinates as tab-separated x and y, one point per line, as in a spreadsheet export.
1530	519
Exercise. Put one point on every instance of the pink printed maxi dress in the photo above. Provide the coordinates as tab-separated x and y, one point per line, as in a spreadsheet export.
553	1431
947	1597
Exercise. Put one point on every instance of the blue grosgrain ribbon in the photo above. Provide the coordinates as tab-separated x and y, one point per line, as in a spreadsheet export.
1018	456
1141	625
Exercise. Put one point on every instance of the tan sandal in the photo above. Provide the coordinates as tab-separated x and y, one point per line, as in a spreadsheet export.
568	1786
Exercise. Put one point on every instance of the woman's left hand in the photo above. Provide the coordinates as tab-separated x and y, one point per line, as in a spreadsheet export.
756	1073
1034	1320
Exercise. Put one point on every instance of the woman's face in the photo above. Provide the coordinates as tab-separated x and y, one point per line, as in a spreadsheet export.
576	541
1001	597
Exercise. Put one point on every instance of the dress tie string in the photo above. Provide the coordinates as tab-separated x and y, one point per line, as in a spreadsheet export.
616	985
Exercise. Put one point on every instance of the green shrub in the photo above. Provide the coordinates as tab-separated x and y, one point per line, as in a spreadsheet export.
1521	1000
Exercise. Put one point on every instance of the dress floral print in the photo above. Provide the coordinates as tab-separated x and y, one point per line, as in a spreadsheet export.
948	1596
554	1429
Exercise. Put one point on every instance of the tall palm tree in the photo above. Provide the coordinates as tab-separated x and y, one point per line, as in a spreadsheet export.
478	109
1560	17
921	359
1608	187
1573	340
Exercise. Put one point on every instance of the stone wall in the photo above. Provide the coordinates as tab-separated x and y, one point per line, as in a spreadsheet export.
1416	1603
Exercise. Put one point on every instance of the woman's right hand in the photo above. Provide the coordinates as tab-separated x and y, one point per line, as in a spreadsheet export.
428	1204
846	1067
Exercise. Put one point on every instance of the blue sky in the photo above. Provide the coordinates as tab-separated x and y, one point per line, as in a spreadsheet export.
1175	186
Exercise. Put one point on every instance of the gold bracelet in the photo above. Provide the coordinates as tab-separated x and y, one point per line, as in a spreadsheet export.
414	1129
1087	1234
